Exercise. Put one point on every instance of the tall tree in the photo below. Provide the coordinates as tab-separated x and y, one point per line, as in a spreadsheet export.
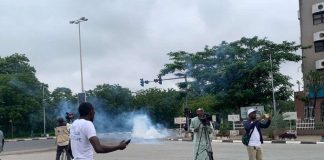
20	93
237	72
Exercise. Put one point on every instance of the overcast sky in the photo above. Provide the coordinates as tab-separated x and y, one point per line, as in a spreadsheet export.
125	40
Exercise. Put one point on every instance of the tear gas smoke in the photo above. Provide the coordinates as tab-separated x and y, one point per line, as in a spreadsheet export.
136	125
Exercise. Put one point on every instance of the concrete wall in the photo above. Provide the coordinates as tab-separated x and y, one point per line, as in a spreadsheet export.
307	29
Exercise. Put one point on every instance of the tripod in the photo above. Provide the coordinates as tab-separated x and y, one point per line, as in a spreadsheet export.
207	146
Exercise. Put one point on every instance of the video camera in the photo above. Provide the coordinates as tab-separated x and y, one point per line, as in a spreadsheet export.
69	117
206	119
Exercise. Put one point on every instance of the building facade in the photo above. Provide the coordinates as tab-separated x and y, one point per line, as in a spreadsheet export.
311	17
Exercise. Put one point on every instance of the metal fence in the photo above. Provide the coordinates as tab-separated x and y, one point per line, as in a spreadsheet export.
306	124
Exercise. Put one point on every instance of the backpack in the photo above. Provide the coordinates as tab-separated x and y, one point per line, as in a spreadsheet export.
246	137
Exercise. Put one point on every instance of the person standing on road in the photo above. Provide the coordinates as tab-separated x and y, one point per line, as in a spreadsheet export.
202	131
83	135
62	139
252	127
1	141
69	119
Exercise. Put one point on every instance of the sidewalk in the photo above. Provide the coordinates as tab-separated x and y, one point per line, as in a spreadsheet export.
237	139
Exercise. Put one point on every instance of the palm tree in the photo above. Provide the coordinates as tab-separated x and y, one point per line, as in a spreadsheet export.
314	83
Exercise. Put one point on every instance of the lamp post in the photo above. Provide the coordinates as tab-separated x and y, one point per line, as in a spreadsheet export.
78	22
273	93
298	83
44	110
184	75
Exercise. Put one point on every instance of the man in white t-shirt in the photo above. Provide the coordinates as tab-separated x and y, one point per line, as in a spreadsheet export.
252	127
83	136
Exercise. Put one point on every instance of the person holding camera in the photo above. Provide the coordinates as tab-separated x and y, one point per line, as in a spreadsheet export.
83	135
69	119
253	128
200	126
62	139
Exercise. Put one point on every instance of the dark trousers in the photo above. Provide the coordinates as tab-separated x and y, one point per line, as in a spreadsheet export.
70	150
59	151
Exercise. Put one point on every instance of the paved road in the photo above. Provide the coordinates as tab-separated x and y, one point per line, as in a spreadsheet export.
178	150
28	145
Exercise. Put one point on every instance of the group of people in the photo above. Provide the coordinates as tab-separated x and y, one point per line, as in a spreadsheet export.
202	149
79	139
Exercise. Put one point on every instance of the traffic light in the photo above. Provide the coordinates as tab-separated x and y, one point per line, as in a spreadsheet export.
160	79
142	82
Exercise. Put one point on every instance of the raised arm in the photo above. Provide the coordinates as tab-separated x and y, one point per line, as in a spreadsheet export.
265	125
100	148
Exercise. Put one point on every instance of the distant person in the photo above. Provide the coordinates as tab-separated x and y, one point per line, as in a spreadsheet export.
252	127
69	119
62	139
83	135
1	141
202	129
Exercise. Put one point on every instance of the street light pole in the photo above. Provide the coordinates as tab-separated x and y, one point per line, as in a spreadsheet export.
273	93
78	22
187	118
44	111
81	66
185	76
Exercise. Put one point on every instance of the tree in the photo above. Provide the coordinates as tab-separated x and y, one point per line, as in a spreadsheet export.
162	105
114	98
237	73
314	83
20	94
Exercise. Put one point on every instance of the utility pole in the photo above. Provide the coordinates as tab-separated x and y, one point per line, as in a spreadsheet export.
273	92
44	110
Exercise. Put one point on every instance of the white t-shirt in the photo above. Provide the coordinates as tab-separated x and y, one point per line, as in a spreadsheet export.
80	132
255	138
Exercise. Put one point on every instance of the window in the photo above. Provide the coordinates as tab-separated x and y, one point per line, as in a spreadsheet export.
311	112
306	112
318	18
319	46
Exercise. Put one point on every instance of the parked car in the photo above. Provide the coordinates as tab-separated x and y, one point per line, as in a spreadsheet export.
287	135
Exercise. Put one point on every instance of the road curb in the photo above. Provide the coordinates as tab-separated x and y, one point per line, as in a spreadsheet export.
27	151
29	139
267	142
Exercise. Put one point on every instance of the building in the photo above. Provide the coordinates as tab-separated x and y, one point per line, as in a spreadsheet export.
311	17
